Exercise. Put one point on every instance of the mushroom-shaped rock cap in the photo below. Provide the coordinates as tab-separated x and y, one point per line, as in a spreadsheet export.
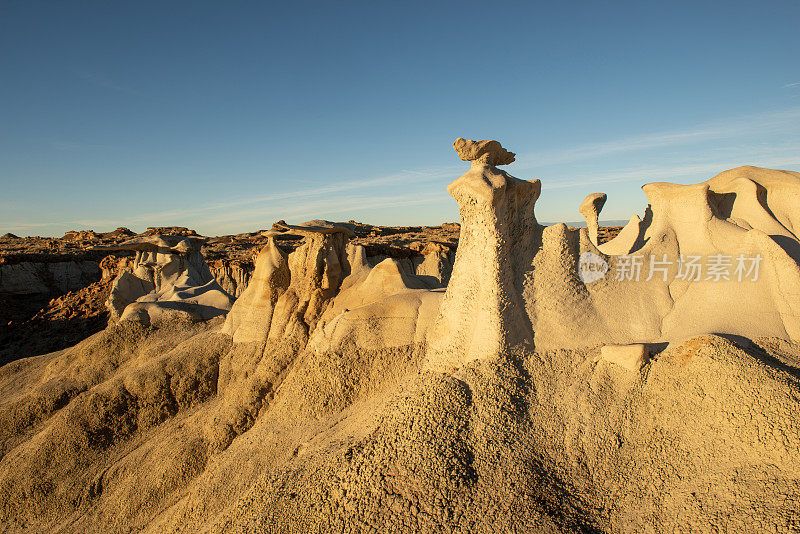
316	227
489	152
592	205
175	243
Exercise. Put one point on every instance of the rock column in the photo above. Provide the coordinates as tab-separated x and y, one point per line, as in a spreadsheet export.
483	314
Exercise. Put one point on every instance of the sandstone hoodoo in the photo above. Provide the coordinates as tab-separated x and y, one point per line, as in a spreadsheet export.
544	379
168	276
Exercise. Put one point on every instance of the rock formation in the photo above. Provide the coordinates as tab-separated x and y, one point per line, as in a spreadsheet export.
233	276
27	278
735	229
516	283
169	276
483	315
547	388
36	272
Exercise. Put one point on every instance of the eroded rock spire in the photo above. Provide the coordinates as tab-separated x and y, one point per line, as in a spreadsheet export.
483	314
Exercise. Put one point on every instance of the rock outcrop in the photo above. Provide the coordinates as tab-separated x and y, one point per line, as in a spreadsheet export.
289	293
168	276
232	276
27	278
41	270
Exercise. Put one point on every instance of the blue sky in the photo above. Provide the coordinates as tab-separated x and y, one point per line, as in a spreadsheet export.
227	116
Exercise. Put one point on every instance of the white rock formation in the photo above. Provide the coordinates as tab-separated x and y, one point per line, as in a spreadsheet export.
292	295
517	284
169	277
377	307
737	228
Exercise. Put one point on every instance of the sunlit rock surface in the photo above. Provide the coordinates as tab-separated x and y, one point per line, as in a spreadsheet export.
544	388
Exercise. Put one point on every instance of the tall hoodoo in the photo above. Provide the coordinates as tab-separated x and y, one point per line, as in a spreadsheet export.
483	314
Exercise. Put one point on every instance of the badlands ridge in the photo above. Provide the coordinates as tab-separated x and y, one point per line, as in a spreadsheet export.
533	379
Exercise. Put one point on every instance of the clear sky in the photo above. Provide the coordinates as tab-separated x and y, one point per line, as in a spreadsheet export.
227	116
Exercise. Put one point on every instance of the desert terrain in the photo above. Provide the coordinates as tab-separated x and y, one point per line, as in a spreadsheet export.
490	375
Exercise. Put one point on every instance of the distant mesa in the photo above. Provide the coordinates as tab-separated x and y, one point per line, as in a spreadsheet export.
91	235
122	231
167	230
82	235
9	235
488	152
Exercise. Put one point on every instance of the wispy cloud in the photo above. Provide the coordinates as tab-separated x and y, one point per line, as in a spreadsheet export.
105	82
762	123
795	84
644	175
705	150
321	208
17	226
300	196
260	211
783	157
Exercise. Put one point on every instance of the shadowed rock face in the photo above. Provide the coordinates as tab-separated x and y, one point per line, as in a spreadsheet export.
343	392
168	276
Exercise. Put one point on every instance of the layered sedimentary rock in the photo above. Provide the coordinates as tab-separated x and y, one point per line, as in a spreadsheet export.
232	276
168	276
27	278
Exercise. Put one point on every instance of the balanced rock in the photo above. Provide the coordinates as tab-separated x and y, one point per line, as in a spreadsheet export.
485	152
